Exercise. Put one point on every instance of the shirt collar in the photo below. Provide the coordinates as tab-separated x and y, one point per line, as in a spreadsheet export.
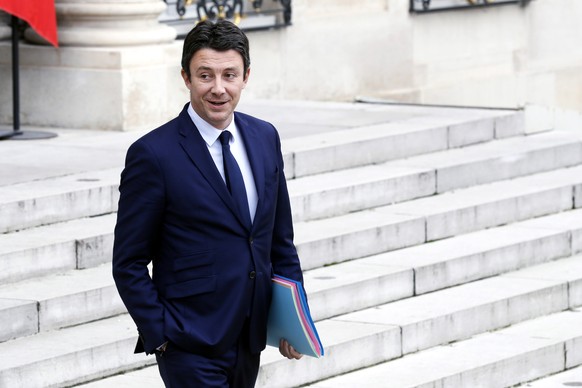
207	131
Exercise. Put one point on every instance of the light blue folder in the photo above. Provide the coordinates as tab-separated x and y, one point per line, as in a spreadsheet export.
285	319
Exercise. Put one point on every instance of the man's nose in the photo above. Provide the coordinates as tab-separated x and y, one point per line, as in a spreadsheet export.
218	86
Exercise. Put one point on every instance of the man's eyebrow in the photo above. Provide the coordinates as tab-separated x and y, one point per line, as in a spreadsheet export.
208	68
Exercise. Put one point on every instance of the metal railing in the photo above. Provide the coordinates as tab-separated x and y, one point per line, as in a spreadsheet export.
424	6
248	14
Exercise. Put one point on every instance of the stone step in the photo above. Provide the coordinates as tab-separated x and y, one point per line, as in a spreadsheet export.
47	201
563	221
75	297
568	378
379	279
499	160
438	226
421	325
53	302
41	202
497	203
341	192
369	232
504	358
88	194
568	270
145	377
88	242
365	233
38	203
370	222
422	130
440	318
459	312
72	355
50	249
296	118
355	189
355	235
345	339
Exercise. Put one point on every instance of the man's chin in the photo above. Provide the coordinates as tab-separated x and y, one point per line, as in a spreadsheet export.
218	112
219	121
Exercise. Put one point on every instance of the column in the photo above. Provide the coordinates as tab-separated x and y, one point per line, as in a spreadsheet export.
116	68
96	23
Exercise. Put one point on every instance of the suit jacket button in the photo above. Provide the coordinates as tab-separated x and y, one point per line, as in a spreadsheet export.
252	274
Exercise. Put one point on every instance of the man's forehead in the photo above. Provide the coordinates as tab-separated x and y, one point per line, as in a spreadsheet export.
217	59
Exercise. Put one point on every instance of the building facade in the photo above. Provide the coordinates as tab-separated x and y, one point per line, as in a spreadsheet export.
117	67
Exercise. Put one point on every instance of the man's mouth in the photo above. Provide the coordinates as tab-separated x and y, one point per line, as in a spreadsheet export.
217	103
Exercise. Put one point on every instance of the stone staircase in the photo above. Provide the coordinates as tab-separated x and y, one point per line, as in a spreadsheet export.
442	247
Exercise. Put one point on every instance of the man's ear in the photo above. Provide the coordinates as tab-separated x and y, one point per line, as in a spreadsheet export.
186	79
246	77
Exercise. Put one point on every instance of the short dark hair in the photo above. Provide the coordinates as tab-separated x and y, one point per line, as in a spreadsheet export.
220	36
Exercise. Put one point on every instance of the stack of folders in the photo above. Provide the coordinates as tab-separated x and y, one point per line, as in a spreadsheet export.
289	318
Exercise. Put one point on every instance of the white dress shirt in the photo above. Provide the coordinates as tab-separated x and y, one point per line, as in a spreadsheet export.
237	147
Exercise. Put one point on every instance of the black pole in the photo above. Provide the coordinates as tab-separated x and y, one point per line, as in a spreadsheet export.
16	133
15	85
15	74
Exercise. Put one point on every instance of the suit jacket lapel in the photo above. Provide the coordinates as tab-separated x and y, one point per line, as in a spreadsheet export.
195	146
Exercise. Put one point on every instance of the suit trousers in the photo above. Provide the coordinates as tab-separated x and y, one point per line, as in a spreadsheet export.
237	368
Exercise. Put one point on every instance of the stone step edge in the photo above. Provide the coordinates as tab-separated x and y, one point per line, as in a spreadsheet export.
383	342
551	353
62	300
77	244
83	353
569	377
380	141
399	275
133	378
397	279
59	199
385	222
89	244
31	205
428	175
401	278
567	178
290	373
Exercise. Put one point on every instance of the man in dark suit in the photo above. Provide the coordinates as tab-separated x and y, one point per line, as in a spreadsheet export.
204	199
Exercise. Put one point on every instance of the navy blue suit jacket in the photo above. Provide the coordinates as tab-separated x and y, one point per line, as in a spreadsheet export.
210	271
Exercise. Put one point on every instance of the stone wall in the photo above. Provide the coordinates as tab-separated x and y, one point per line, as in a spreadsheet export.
508	56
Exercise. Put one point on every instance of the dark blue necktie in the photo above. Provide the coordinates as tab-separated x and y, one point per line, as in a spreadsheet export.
234	178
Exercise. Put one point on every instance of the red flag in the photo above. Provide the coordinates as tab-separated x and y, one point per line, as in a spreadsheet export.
40	14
